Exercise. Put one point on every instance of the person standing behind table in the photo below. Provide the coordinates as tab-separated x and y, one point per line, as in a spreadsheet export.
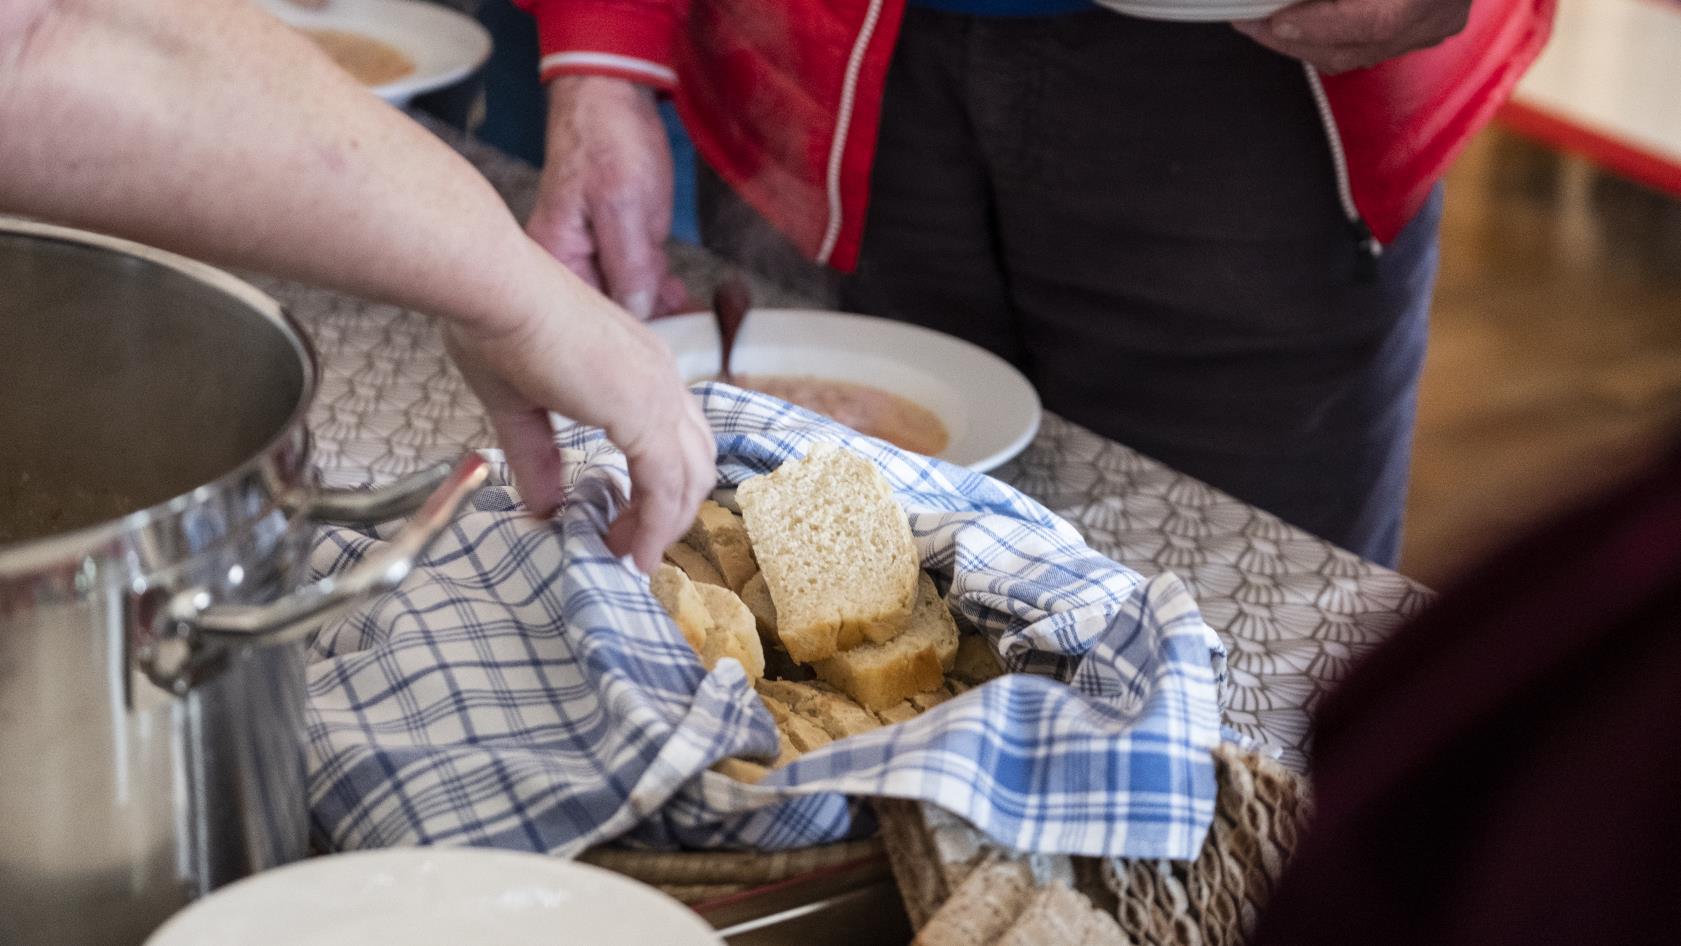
107	122
1505	769
1213	242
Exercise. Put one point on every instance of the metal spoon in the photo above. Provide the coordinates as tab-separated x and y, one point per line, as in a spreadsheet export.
730	302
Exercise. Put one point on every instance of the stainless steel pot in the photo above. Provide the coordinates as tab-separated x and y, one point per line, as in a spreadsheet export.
156	506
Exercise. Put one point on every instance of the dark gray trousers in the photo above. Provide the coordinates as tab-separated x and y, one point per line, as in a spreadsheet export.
1143	217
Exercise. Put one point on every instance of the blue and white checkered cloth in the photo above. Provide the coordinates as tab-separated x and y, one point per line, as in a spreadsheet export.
523	689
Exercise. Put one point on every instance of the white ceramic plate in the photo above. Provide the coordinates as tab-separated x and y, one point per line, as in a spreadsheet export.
988	407
444	44
1197	11
436	897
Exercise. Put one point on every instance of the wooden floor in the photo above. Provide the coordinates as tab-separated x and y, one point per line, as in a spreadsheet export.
1555	361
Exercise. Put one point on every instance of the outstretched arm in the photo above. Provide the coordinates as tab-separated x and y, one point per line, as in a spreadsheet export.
208	127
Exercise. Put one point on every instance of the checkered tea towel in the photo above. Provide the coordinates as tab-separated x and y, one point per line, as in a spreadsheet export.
523	689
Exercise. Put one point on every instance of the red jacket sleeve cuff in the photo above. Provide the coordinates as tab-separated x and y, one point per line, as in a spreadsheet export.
628	39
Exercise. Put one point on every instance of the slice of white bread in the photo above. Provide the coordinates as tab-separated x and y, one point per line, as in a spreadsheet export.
732	633
838	715
741	770
834	711
677	594
983	907
721	537
836	551
880	675
695	565
805	734
818	703
928	699
1058	915
782	695
712	619
779	710
786	751
897	713
757	595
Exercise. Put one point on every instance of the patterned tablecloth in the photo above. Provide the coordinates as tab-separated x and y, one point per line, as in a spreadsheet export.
1293	609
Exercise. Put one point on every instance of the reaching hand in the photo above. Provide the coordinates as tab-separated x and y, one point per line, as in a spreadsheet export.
1339	35
604	203
592	363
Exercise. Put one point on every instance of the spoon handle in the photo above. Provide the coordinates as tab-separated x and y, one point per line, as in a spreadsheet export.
730	302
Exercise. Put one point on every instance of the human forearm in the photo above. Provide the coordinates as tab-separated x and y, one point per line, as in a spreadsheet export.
208	127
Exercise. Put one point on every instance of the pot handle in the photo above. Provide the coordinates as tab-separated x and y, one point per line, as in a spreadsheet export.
360	508
291	616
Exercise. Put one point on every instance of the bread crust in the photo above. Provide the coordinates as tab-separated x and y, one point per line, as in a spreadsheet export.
721	536
677	594
732	633
880	675
694	564
835	549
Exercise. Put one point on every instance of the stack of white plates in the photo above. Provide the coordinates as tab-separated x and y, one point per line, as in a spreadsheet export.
1197	11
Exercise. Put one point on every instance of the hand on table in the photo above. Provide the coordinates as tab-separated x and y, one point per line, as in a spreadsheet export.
604	202
633	392
1339	35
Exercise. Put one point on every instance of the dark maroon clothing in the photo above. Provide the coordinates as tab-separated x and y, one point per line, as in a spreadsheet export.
1507	769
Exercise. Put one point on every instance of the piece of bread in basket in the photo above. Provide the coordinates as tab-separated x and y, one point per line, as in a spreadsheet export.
838	595
712	619
835	550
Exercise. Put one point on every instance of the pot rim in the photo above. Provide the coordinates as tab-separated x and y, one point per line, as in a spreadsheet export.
27	557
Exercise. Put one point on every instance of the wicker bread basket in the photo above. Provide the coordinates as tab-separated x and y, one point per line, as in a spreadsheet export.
960	889
699	876
953	880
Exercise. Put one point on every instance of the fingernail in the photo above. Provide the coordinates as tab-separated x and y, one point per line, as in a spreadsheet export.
1287	30
640	304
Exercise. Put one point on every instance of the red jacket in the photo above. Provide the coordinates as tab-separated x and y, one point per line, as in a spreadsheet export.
783	98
